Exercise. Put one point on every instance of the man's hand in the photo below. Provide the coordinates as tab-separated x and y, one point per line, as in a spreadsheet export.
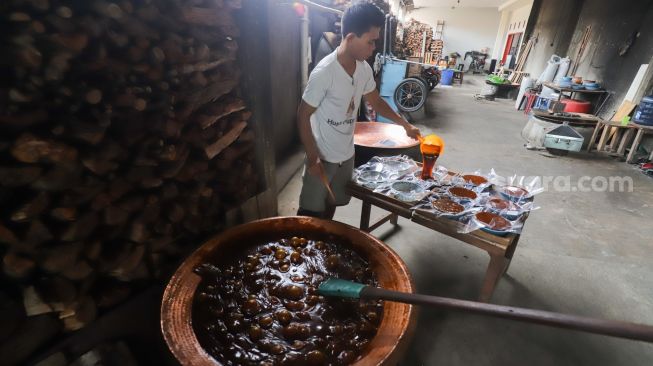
381	107
411	131
316	168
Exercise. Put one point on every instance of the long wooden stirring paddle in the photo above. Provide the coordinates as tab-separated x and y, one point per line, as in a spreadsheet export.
341	288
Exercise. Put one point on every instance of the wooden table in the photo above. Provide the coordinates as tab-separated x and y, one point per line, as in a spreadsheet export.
616	142
571	92
500	249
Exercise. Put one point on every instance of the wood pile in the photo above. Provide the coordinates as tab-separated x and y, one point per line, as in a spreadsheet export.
437	45
414	35
123	138
344	4
517	75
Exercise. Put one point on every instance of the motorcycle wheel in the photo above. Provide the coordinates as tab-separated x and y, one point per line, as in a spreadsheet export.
410	95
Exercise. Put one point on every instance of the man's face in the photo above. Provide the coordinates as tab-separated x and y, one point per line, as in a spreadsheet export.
363	46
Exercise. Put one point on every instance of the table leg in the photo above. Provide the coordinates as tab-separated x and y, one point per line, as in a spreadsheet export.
635	145
365	216
594	135
604	137
494	272
616	138
624	140
394	220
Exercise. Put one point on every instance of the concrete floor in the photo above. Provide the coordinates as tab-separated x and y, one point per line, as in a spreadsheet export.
581	253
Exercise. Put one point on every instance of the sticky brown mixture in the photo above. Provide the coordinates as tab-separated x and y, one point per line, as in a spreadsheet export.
515	191
499	204
260	306
476	180
447	206
462	193
493	221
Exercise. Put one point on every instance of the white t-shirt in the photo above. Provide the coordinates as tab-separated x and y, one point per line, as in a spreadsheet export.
337	96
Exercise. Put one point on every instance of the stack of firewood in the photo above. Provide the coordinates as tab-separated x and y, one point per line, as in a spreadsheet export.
414	35
343	4
122	138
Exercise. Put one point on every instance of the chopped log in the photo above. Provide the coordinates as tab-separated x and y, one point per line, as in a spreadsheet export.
176	213
223	109
113	254
214	149
138	232
31	149
151	212
93	96
34	333
210	93
16	266
82	228
227	55
114	216
99	166
25	119
59	178
78	271
109	10
64	12
163	227
130	263
60	24
119	188
170	170
101	201
207	16
37	234
41	5
7	236
82	194
79	315
12	314
33	303
170	191
113	294
131	204
61	257
19	176
73	42
93	133
31	209
57	292
93	250
64	213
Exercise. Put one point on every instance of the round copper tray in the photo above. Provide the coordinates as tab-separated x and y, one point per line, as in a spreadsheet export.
386	347
382	135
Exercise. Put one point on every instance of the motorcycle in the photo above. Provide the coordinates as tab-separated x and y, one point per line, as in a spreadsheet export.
432	76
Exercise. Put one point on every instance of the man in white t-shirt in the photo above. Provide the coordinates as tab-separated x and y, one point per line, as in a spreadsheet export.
329	108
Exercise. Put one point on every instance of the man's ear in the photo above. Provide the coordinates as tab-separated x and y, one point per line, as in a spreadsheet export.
350	36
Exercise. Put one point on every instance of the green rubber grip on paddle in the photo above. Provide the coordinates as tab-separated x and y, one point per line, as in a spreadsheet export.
340	288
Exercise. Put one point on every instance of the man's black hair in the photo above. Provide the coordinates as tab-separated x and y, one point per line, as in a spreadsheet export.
360	17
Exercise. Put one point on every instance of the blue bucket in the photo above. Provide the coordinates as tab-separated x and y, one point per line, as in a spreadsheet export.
447	77
644	114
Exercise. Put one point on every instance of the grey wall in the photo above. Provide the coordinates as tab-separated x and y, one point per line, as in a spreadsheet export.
559	29
284	31
553	28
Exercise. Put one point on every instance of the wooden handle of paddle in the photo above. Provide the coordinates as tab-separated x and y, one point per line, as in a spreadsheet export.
323	177
613	328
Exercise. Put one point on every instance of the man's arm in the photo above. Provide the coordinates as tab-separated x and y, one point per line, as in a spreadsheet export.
304	113
381	107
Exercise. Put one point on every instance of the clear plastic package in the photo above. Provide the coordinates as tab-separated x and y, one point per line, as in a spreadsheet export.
478	200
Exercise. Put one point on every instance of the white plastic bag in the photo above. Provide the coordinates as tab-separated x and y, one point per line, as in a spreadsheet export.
562	69
550	71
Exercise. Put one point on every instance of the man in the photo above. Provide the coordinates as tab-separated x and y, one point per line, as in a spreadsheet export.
328	110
